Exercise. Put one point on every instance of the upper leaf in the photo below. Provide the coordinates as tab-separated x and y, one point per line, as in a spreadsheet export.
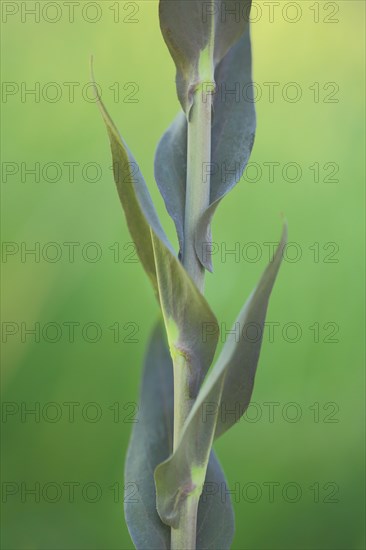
232	139
184	471
150	444
198	34
135	198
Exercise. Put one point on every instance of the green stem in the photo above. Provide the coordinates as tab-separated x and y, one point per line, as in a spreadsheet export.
197	200
184	538
198	180
182	400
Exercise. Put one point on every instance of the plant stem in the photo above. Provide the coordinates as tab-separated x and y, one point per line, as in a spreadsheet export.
197	200
184	538
198	179
182	400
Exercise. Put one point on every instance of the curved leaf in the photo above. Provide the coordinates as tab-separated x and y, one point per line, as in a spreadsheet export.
198	34
186	314
184	471
170	167
233	133
215	518
241	358
232	139
150	444
135	198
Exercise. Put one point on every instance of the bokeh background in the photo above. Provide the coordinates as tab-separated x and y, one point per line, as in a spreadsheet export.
304	434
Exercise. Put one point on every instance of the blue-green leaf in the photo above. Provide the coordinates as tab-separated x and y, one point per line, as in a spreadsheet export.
241	358
183	473
170	168
233	133
215	518
198	34
232	139
136	201
150	444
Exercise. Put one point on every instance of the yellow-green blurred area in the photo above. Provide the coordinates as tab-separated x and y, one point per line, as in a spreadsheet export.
295	463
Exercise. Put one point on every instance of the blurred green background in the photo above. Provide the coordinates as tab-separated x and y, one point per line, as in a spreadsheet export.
310	450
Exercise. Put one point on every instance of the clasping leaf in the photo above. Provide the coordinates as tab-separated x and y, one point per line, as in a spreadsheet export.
231	378
232	136
198	34
151	443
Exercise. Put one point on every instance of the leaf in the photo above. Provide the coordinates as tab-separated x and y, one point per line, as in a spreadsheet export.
198	34
233	132
150	444
135	198
241	358
184	471
187	316
215	518
170	167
